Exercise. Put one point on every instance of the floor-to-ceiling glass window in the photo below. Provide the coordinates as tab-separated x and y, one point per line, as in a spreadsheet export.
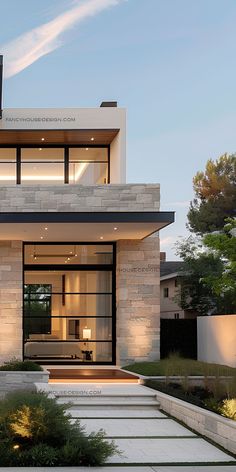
69	302
7	166
54	165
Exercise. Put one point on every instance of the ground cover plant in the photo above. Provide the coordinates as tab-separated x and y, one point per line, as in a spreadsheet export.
215	394
18	365
36	431
176	365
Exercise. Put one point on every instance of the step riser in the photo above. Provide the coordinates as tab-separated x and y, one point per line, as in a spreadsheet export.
88	401
112	408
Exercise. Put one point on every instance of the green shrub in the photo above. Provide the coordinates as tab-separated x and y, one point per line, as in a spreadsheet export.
88	451
31	418
17	365
228	408
39	456
36	431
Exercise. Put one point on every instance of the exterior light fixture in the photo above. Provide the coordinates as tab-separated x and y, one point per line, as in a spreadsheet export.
42	139
46	228
41	237
86	149
40	149
92	139
101	237
86	333
115	229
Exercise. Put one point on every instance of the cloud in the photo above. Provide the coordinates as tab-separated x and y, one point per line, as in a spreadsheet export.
30	46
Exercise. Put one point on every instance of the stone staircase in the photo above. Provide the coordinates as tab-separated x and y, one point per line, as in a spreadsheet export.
130	415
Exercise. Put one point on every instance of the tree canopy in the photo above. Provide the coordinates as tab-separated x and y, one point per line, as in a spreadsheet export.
208	279
215	195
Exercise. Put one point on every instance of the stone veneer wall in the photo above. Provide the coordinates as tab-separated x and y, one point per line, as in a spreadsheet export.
10	300
138	300
112	197
137	263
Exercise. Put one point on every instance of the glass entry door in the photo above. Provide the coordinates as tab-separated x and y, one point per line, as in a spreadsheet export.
69	305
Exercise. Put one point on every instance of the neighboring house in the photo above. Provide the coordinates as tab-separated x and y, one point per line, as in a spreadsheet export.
79	248
170	284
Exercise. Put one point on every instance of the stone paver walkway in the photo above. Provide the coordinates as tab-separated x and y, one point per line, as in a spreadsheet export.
148	439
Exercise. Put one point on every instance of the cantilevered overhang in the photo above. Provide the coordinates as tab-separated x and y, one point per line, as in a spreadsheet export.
83	226
58	136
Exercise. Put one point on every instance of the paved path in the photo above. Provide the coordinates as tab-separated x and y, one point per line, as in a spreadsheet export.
148	439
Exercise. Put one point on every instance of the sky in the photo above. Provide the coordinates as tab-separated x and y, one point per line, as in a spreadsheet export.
171	63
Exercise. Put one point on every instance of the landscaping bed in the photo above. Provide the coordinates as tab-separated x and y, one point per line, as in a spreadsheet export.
36	431
175	365
209	386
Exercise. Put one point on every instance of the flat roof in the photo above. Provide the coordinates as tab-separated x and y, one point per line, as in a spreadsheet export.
84	226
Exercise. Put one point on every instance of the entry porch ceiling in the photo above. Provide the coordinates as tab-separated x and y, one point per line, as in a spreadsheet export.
109	226
57	137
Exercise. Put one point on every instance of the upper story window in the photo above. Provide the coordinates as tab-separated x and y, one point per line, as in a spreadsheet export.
54	165
166	292
8	166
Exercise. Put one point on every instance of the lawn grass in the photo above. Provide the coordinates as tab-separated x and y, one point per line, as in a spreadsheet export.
175	365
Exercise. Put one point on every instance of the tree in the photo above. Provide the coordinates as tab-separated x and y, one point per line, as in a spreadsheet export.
223	245
208	278
194	293
215	195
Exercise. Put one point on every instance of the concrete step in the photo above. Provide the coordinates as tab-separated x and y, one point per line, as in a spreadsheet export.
114	405
109	413
62	398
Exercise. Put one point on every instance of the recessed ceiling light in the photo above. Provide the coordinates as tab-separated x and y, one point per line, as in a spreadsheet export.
115	229
42	139
92	139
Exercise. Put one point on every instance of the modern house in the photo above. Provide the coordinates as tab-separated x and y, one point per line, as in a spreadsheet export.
170	284
79	248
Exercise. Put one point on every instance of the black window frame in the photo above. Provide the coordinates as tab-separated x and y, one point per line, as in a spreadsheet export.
79	267
19	147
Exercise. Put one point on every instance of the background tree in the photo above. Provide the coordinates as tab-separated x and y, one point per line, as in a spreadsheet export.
215	195
223	244
208	279
194	293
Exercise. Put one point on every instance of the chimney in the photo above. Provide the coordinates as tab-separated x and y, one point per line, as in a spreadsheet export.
1	75
109	104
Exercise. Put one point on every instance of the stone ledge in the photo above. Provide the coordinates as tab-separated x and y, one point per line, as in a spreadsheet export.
221	430
11	380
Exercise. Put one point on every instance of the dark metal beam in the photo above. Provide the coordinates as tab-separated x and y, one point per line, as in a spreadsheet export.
89	217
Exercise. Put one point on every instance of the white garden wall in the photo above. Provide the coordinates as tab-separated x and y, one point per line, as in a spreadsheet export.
216	336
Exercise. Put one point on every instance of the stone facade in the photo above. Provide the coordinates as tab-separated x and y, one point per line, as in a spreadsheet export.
112	197
10	300
138	300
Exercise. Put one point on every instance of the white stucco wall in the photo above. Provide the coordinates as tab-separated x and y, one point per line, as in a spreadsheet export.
101	118
217	339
